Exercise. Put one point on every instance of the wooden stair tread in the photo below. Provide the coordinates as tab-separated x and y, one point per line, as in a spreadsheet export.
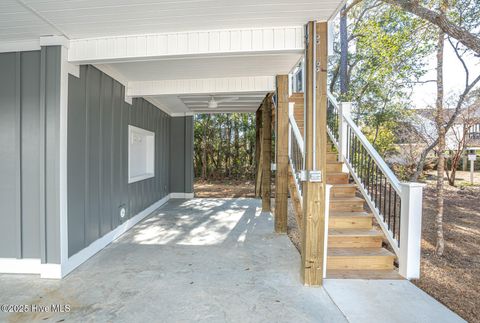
355	233
359	252
353	199
334	162
363	274
342	185
349	214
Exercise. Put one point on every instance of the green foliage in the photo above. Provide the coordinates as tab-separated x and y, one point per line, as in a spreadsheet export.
382	137
224	145
387	51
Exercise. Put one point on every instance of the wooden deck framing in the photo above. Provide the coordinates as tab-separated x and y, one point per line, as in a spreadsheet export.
281	146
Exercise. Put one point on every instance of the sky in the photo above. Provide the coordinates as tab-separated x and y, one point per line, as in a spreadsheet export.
424	95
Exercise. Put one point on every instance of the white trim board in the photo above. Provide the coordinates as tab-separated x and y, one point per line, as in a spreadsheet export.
57	271
19	46
19	266
63	165
182	195
147	166
86	253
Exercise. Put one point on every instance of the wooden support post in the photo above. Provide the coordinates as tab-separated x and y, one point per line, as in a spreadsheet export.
314	206
258	151
281	146
266	153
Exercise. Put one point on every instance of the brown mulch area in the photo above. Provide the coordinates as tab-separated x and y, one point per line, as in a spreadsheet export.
454	278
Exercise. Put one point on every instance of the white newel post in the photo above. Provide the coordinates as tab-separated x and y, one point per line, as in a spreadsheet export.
345	109
410	229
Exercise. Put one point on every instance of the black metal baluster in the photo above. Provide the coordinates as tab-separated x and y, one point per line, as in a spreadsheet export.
384	199
389	204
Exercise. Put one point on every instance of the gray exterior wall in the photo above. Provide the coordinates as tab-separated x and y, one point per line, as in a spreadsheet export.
181	152
29	150
98	120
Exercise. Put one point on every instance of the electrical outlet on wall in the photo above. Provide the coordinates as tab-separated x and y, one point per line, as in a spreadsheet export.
122	211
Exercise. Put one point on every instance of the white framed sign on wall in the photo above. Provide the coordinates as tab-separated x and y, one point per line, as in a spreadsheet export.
141	154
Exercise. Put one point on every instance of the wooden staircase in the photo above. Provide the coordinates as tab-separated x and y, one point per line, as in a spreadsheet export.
355	247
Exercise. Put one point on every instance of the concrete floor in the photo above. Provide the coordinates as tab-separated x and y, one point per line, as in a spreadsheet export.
207	260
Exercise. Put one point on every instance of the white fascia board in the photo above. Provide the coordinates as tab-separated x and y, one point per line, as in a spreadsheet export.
195	43
19	46
201	86
54	41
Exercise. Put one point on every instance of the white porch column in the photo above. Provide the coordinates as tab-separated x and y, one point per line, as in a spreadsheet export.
410	230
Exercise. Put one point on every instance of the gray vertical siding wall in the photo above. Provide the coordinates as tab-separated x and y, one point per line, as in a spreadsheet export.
29	124
181	153
98	119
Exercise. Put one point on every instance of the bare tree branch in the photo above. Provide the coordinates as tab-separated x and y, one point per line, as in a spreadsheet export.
448	27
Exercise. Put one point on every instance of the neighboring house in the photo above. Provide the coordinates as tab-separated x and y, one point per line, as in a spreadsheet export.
421	131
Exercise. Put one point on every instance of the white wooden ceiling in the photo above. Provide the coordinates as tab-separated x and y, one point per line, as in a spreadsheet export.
176	53
209	67
27	19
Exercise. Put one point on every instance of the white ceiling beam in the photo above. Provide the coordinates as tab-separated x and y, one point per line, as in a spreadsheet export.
231	85
243	41
220	110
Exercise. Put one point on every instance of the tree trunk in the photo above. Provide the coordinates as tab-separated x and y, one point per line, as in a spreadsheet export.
343	52
236	140
227	151
440	245
204	151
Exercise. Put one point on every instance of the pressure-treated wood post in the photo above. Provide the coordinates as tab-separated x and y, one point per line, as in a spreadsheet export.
281	145
266	153
313	234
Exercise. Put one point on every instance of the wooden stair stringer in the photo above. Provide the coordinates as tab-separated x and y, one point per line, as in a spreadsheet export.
294	195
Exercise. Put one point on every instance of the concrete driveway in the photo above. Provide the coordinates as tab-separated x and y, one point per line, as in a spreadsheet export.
204	260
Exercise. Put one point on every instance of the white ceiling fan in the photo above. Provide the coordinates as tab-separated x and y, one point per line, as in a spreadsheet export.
213	104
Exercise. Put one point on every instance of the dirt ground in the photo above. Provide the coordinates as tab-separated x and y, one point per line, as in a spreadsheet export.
225	188
453	279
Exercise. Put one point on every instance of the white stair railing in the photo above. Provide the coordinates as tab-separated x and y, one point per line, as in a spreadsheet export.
296	152
396	206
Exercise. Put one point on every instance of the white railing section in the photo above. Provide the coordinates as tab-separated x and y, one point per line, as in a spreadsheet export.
296	152
396	206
